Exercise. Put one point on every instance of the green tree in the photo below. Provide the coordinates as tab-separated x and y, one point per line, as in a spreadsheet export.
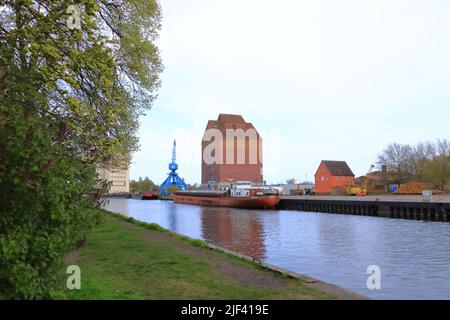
425	162
70	98
399	160
143	185
47	203
146	184
437	169
134	186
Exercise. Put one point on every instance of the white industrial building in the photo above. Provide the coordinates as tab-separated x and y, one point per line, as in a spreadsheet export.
295	187
118	178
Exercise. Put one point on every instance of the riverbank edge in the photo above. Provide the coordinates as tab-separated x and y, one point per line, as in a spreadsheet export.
328	288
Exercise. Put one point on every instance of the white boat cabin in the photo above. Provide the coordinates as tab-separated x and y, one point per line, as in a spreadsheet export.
244	189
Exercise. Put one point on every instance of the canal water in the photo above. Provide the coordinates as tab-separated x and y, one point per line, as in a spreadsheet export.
414	256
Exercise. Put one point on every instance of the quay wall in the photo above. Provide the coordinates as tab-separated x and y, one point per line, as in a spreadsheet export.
414	210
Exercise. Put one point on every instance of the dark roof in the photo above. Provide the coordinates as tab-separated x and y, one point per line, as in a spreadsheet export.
338	168
230	118
378	176
225	121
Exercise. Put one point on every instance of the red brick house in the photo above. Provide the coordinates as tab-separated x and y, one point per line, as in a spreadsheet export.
333	174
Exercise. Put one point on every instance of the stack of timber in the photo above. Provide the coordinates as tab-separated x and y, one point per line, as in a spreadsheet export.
416	188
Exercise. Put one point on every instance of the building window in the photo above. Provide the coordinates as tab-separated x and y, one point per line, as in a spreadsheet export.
322	178
337	178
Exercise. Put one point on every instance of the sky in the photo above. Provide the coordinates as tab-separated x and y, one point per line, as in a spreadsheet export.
319	80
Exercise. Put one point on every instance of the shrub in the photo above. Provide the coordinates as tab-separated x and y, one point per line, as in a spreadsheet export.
46	206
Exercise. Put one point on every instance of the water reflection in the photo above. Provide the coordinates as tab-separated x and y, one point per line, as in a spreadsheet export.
118	205
240	230
334	239
172	217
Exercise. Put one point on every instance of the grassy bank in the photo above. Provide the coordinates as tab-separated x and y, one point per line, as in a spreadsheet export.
124	260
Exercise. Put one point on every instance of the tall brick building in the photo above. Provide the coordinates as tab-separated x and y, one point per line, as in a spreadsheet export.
231	151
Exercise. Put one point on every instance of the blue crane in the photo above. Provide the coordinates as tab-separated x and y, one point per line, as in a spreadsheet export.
173	179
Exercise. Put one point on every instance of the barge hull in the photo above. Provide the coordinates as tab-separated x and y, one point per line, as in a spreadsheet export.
262	202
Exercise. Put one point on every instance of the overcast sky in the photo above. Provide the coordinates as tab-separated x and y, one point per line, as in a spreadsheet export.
319	79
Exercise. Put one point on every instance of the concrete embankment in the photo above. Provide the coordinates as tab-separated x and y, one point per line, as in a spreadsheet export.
398	207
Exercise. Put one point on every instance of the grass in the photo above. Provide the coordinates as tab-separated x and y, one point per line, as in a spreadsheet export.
122	261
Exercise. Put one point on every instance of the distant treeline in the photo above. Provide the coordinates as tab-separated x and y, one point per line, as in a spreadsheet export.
147	185
143	185
425	162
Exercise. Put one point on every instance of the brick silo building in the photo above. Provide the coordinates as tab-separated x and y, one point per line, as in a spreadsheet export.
231	151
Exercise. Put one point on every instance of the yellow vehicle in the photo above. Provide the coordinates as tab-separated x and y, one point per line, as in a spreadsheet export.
356	191
360	191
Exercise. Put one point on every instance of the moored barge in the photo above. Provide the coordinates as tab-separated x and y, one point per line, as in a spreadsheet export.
238	196
150	196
